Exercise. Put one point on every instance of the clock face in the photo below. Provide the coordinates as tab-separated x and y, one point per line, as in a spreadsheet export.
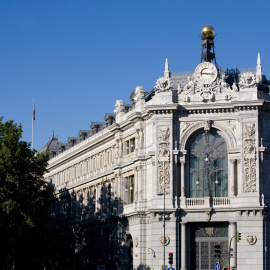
206	73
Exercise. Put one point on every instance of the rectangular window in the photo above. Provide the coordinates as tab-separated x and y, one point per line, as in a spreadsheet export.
130	145
129	189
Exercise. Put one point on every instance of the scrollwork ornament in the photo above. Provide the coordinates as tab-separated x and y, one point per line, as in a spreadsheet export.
249	158
163	85
251	239
164	242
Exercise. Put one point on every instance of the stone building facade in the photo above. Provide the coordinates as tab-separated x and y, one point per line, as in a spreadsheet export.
193	151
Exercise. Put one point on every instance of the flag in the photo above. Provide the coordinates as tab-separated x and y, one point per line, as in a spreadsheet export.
34	113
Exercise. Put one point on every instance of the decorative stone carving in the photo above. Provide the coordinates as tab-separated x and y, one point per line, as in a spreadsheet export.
251	239
163	161
207	216
136	241
163	85
207	125
164	242
184	126
231	124
119	148
119	106
228	135
247	80
138	94
234	87
139	139
189	88
249	138
223	83
249	158
198	90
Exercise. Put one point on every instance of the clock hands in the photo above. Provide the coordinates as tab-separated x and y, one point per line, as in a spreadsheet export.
207	73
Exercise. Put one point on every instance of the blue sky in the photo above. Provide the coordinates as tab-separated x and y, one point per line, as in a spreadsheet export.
76	58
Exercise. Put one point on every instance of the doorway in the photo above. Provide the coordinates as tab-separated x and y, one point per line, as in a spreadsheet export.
203	238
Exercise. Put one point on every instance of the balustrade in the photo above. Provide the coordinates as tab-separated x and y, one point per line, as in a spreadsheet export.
200	202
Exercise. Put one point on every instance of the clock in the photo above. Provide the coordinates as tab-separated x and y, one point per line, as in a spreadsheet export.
206	72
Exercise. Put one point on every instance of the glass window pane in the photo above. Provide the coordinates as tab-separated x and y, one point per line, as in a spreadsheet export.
208	158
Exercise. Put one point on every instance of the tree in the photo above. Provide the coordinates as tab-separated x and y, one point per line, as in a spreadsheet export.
23	198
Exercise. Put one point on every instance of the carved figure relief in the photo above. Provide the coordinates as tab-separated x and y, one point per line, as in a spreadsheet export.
163	161
138	95
247	80
207	85
207	216
231	124
139	139
184	126
189	88
119	148
249	158
119	106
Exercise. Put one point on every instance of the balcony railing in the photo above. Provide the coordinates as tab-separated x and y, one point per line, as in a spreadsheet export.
206	202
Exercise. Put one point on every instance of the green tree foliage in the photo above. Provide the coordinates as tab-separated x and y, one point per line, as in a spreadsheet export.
23	198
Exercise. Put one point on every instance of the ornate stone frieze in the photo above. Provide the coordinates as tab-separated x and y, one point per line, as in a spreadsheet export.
163	85
197	90
163	161
247	80
249	158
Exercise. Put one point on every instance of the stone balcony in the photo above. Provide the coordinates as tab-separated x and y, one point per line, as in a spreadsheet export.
206	202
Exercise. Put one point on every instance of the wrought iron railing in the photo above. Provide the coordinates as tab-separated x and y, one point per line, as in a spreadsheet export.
177	74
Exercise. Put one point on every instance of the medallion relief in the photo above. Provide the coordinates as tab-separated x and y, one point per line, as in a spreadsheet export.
251	239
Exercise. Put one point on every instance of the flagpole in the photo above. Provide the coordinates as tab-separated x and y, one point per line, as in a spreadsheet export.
32	133
33	118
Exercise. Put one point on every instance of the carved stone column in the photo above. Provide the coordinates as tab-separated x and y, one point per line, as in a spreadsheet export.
183	246
183	188
137	185
232	169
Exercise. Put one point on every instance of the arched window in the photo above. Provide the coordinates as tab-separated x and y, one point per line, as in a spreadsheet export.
208	165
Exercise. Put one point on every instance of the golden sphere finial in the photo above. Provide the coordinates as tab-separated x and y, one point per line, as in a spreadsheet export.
208	31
